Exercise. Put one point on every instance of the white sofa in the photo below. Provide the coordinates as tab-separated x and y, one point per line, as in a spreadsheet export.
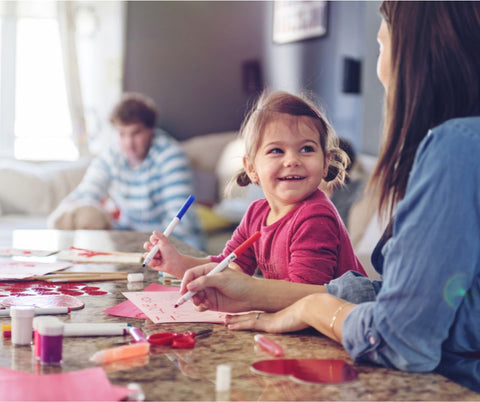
29	192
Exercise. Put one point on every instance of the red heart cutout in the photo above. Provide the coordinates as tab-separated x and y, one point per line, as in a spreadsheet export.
325	371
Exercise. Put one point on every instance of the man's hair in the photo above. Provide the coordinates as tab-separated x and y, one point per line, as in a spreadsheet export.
135	108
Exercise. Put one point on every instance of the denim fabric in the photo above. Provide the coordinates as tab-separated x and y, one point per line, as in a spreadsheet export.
354	287
429	303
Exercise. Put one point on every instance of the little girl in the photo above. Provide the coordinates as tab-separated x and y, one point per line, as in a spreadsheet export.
290	149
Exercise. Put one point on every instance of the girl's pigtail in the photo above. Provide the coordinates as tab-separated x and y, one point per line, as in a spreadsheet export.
240	179
337	167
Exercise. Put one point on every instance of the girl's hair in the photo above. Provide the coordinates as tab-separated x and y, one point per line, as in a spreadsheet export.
135	108
435	76
268	107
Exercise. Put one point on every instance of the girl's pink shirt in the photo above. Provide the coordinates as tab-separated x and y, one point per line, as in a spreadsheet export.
310	244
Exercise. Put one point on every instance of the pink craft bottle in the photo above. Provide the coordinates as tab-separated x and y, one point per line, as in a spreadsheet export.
50	340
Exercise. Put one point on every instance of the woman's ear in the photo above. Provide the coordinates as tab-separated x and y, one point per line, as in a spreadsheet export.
250	169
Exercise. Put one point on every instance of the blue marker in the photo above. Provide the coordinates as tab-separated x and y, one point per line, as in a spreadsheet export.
169	229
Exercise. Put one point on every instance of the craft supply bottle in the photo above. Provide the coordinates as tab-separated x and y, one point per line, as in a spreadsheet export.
22	323
37	345
50	334
36	338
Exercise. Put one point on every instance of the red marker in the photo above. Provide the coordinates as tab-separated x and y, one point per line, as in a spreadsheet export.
268	345
224	264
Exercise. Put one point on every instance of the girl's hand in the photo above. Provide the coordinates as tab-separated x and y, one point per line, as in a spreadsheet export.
286	320
229	290
167	259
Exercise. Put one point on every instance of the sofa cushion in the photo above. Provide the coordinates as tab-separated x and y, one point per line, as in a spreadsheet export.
37	188
204	150
211	221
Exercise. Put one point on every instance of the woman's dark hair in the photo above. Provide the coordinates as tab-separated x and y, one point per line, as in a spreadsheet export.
135	108
434	77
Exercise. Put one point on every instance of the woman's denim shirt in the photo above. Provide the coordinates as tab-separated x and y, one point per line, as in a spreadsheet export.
428	305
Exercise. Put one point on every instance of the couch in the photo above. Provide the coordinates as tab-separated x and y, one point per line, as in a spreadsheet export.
29	192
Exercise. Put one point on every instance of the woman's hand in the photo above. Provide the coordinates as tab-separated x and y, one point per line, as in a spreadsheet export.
286	320
229	290
233	291
324	312
167	259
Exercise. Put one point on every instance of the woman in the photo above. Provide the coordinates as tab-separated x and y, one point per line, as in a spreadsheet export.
427	309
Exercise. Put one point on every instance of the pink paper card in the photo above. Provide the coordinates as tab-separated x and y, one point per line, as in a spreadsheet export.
24	269
20	252
159	307
83	385
130	310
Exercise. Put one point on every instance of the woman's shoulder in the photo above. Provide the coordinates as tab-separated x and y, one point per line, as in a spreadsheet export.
460	136
462	126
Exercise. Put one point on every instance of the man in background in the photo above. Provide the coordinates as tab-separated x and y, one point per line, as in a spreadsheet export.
139	183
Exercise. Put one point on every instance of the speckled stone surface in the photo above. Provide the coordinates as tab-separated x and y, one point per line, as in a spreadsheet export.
188	375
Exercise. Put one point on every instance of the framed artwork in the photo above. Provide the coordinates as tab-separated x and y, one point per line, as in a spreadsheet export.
298	20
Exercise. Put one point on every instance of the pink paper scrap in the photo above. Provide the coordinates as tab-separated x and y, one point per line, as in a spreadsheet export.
83	385
129	310
159	307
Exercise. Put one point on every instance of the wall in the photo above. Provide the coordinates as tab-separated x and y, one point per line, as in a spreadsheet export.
189	55
373	91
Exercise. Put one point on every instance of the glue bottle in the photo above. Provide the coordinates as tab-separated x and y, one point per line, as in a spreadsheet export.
22	320
50	337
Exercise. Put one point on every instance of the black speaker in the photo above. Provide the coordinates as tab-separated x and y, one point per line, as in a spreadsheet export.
252	76
351	76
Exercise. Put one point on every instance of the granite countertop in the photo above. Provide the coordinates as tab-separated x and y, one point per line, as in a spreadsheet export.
170	374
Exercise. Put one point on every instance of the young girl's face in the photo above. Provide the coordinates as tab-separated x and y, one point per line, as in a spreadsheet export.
289	164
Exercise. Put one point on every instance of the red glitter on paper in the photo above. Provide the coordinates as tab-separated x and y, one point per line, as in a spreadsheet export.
71	292
96	292
33	288
88	253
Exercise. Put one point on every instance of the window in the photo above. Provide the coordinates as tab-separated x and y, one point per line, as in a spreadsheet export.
61	72
36	122
43	126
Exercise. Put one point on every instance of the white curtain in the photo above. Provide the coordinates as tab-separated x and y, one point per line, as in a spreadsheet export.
93	35
66	25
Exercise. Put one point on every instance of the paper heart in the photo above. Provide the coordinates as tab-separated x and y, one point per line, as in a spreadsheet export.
325	371
44	301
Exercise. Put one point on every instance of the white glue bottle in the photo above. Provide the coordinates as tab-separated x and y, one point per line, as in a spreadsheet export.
22	320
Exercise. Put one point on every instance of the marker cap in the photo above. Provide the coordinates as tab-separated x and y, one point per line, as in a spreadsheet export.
49	326
135	277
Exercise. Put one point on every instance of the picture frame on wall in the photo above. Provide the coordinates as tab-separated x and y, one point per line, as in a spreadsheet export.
298	20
